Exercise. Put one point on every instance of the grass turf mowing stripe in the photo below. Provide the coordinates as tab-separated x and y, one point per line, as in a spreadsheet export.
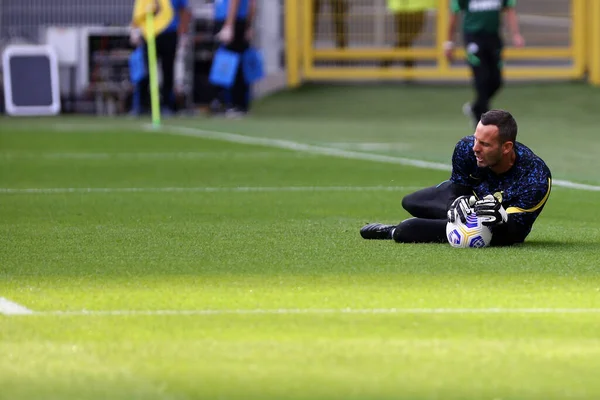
328	151
190	155
241	189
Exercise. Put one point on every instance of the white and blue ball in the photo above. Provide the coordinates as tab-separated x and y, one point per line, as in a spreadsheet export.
472	233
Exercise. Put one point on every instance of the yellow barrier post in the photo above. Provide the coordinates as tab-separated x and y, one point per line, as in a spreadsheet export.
578	33
588	35
594	43
292	59
307	13
442	26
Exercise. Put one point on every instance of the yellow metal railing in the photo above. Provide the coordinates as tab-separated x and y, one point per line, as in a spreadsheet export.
593	42
577	50
292	35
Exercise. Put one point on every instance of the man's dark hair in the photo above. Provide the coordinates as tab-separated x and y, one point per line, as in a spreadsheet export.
507	126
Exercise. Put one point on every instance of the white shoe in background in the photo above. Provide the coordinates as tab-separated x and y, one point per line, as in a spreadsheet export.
234	113
467	110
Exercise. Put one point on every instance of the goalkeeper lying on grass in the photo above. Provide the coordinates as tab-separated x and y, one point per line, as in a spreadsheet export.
493	176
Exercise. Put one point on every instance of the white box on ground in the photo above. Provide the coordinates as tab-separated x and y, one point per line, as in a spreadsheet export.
31	83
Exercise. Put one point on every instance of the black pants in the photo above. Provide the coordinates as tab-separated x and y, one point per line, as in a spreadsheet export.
429	206
339	16
239	95
409	25
484	55
166	49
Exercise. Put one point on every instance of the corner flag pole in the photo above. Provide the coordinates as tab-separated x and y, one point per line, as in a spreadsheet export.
151	40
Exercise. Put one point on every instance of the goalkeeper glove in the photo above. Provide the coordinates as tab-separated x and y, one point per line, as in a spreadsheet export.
490	211
460	208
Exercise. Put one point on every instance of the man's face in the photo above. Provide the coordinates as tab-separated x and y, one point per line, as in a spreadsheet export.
487	147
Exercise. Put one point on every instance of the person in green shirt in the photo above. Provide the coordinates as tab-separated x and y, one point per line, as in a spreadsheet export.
481	28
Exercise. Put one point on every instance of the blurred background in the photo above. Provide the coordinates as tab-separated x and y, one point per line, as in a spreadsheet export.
301	41
221	257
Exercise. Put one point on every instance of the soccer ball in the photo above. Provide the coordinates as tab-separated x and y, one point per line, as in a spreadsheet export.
469	234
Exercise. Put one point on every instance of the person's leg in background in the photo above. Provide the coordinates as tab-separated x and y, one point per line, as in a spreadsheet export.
166	47
479	62
166	50
316	10
408	27
339	14
240	89
222	97
240	95
137	71
495	62
224	102
136	100
143	85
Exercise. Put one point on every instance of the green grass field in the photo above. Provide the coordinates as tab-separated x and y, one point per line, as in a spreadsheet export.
221	259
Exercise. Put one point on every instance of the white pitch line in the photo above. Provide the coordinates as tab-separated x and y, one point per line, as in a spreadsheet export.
295	146
311	311
249	189
575	185
329	151
8	307
369	146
